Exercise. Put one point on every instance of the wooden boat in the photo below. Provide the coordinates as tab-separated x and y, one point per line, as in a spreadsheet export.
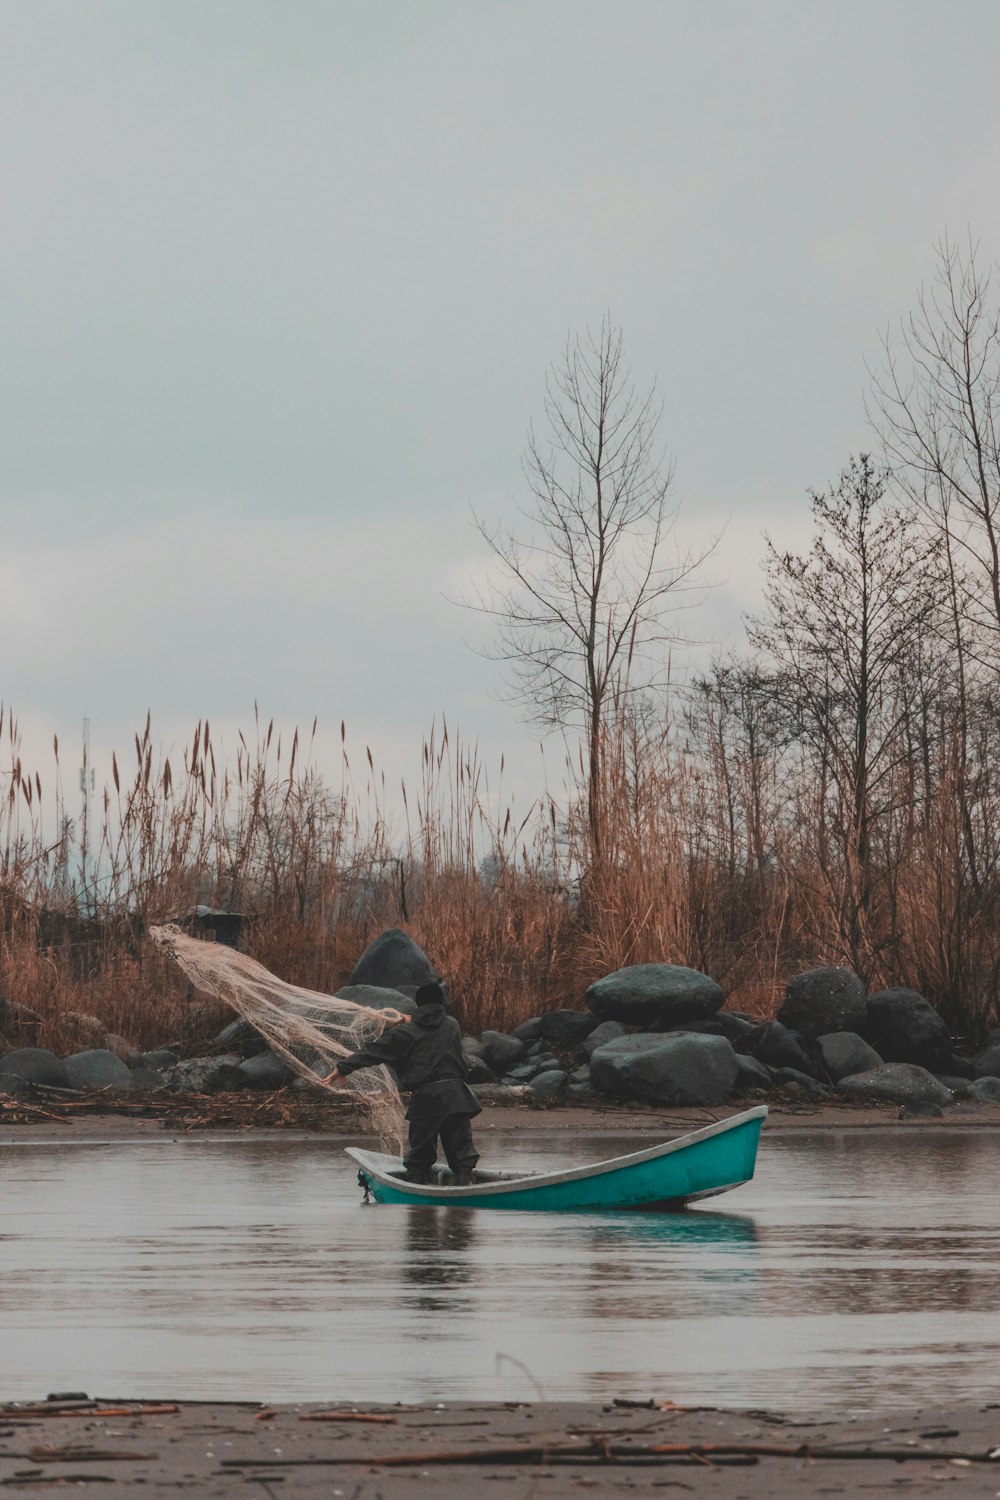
668	1176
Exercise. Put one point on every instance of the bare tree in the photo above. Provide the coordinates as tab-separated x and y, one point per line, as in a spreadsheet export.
584	592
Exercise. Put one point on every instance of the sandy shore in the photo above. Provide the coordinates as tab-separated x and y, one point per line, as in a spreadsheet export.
520	1451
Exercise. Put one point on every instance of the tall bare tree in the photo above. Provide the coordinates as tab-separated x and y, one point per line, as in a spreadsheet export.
585	586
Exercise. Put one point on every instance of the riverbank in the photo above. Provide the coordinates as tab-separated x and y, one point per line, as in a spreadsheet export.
219	1118
115	1448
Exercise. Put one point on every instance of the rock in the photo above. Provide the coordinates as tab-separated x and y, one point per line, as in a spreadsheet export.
605	1032
987	1063
904	1027
773	1044
579	1093
655	995
581	1075
161	1060
752	1074
146	1081
82	1030
501	1093
566	1028
391	960
896	1083
784	1078
28	1066
959	1088
377	997
239	1036
121	1048
823	1001
733	1025
523	1073
97	1068
472	1046
536	1049
532	1066
479	1069
921	1109
206	1075
501	1051
845	1053
548	1085
666	1069
986	1090
265	1072
18	1022
529	1031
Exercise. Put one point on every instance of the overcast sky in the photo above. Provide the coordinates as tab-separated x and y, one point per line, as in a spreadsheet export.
281	280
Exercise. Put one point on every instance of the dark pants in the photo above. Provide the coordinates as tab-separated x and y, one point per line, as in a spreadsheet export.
456	1140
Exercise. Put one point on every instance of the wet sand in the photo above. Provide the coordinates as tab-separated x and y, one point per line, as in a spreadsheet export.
518	1450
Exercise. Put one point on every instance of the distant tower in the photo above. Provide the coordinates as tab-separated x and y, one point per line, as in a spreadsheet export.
86	787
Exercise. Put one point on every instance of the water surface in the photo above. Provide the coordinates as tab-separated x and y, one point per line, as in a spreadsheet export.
855	1268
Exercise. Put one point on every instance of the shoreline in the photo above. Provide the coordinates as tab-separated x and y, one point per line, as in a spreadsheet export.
446	1449
95	1126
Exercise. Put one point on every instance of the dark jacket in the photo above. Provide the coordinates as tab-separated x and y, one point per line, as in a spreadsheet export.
426	1055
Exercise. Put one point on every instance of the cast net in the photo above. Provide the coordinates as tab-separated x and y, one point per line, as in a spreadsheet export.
309	1030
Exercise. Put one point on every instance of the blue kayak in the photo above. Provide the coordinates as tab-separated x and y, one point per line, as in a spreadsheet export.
668	1176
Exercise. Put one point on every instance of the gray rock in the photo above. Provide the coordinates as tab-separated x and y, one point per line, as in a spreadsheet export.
391	960
548	1085
82	1029
28	1066
904	1027
147	1081
666	1069
377	997
528	1031
502	1052
472	1046
566	1028
579	1093
845	1053
822	1001
479	1069
655	995
265	1072
121	1047
523	1073
535	1049
581	1075
605	1032
97	1069
206	1075
791	1077
161	1060
732	1025
959	1088
239	1036
774	1045
896	1083
987	1062
752	1074
921	1109
17	1022
986	1090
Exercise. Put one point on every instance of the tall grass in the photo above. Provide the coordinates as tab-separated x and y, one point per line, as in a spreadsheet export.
708	855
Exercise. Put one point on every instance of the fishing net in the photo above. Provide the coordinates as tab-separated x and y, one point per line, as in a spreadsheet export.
309	1030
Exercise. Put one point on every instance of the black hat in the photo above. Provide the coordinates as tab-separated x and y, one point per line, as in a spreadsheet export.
430	993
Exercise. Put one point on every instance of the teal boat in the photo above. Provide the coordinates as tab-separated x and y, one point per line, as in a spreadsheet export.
668	1176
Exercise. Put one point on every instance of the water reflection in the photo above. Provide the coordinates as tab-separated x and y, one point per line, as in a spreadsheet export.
853	1265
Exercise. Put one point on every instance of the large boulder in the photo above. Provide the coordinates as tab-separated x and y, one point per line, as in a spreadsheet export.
478	1069
17	1022
845	1053
206	1075
685	1069
774	1045
550	1085
824	1000
29	1066
566	1028
904	1027
896	1083
377	997
528	1031
656	996
985	1090
265	1072
752	1074
393	959
239	1036
501	1052
97	1068
987	1062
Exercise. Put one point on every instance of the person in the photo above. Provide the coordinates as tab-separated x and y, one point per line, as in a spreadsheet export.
426	1055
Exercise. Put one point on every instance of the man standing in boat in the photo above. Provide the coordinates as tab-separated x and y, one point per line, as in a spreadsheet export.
426	1055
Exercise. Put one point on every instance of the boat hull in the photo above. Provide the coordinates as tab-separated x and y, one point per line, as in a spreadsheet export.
699	1165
